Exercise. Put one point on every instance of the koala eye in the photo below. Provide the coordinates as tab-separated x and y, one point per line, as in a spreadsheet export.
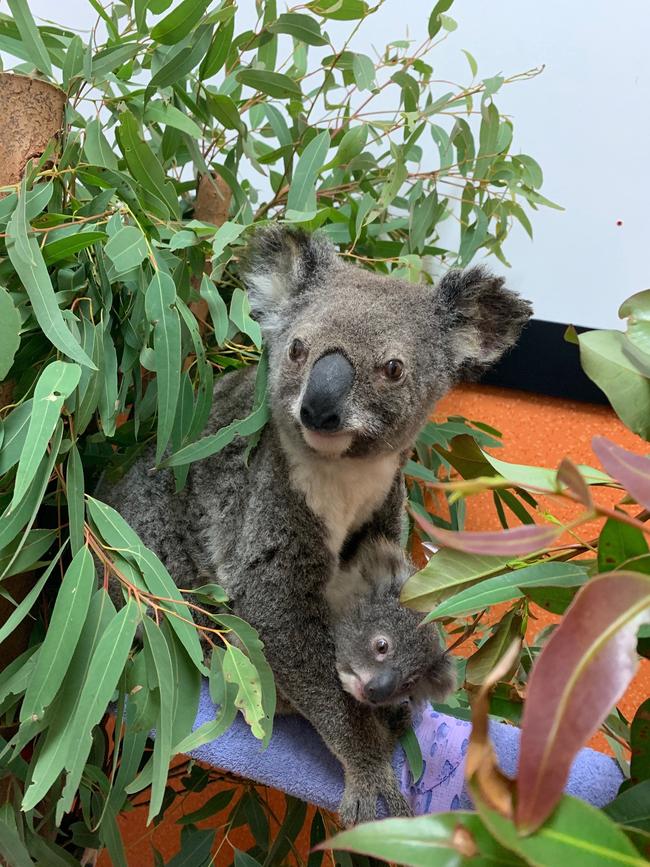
297	350
394	370
408	685
381	646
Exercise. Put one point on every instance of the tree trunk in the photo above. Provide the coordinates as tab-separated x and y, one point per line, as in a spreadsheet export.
31	115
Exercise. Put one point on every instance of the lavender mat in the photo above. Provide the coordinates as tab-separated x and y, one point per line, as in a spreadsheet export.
298	762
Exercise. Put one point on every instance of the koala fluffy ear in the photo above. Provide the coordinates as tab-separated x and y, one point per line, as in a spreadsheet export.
280	264
481	317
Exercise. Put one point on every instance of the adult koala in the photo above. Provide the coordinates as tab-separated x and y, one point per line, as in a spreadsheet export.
357	361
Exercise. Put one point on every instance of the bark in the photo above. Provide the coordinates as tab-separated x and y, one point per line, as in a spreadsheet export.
213	197
31	115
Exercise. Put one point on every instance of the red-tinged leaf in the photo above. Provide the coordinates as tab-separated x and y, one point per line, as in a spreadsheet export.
632	471
581	673
511	543
482	770
571	476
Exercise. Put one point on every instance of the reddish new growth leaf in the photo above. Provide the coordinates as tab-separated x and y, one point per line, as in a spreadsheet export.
581	673
482	770
510	543
571	476
632	471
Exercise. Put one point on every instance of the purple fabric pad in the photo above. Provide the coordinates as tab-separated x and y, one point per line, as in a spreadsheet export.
298	762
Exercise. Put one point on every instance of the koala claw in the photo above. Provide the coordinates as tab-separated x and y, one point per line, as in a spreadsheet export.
359	803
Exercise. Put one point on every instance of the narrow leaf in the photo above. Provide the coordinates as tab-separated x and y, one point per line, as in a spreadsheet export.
302	193
9	332
632	471
55	383
30	35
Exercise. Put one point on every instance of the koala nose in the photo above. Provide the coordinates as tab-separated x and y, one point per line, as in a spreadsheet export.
382	686
329	382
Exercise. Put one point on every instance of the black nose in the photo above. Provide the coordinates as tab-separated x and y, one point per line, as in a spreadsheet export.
329	382
382	686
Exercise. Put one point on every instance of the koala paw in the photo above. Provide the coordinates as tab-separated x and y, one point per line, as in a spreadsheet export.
359	803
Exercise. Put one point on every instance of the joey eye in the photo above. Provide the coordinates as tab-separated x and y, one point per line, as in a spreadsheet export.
297	350
408	685
394	369
381	646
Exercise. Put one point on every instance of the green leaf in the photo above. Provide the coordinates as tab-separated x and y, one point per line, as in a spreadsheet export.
213	805
218	311
225	110
9	332
302	193
363	70
275	84
21	611
225	235
104	671
96	146
302	27
27	259
413	753
65	248
210	445
254	649
180	22
23	554
576	833
640	744
165	113
163	315
54	385
340	10
632	807
621	546
510	586
159	664
126	249
218	52
239	670
606	362
12	519
144	165
196	845
240	309
30	35
485	659
427	841
15	429
74	495
435	22
12	848
60	641
351	145
473	66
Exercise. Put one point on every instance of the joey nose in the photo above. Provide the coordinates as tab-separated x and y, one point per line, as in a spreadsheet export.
382	686
328	385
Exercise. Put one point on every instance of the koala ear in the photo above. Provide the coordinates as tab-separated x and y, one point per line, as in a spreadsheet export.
481	318
280	264
437	681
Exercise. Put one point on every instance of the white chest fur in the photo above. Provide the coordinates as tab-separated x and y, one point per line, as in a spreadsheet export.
343	492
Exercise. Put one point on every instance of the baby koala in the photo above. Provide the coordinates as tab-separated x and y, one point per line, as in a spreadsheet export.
385	656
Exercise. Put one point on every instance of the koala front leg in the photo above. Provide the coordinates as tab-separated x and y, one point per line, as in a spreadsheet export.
300	651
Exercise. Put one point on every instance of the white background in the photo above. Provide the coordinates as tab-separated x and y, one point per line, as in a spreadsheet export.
586	120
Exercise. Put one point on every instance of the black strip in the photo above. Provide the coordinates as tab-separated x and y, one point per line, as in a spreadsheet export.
543	362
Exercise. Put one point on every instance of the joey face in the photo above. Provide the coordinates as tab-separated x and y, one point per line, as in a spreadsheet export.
357	360
384	655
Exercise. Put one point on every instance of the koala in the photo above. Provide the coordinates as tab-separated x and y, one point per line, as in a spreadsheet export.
385	656
357	362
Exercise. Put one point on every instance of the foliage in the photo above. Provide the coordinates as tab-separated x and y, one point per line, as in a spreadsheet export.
121	302
561	685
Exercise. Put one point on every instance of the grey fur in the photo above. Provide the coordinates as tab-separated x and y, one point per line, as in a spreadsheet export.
364	603
273	531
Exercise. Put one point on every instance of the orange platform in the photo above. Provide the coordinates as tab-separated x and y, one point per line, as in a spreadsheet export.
536	430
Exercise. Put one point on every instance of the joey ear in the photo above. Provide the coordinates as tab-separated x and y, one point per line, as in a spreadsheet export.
481	318
281	263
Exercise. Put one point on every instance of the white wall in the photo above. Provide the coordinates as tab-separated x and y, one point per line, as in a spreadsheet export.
586	119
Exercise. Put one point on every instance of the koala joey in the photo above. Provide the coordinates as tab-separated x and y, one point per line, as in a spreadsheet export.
357	362
385	655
